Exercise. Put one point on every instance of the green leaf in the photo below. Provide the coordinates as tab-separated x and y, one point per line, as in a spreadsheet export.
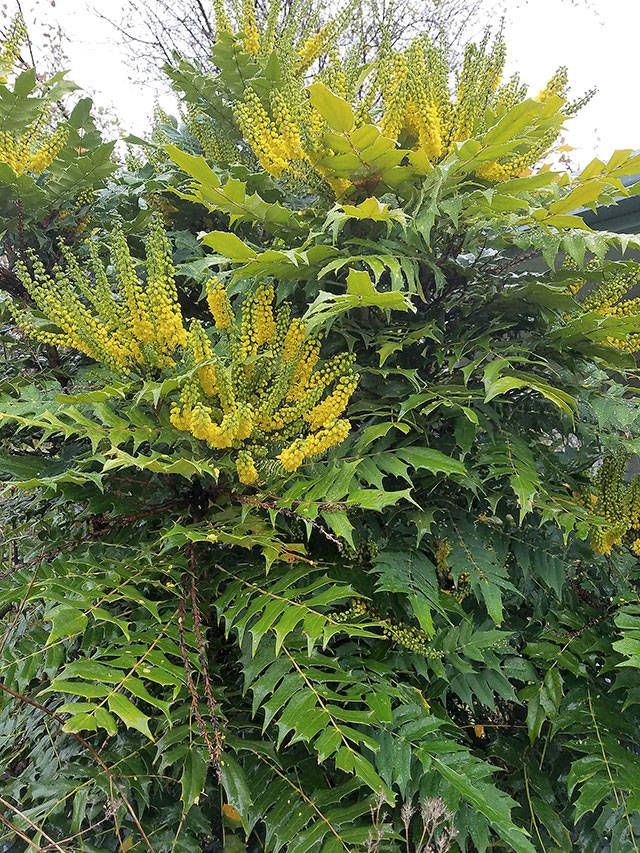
234	782
361	293
334	110
193	778
229	245
132	717
493	804
66	622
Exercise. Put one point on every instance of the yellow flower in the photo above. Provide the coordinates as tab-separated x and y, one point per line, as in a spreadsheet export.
246	468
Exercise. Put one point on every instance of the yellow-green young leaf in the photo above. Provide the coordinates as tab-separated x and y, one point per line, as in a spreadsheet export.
581	196
361	293
373	208
84	721
566	220
360	286
193	165
66	622
518	119
334	110
132	717
229	245
230	198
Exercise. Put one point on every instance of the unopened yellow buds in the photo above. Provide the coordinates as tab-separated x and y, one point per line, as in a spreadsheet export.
10	49
617	502
131	322
267	393
36	149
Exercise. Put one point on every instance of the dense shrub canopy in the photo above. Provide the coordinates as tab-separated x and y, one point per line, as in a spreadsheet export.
318	529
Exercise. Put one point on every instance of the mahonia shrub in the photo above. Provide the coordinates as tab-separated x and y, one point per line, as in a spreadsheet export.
267	391
320	518
54	162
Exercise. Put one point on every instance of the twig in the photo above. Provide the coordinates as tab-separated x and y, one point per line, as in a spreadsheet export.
293	514
211	702
214	752
32	845
37	828
96	757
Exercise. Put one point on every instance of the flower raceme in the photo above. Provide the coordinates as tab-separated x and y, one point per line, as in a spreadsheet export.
256	384
263	390
37	148
406	95
617	502
612	297
124	324
10	48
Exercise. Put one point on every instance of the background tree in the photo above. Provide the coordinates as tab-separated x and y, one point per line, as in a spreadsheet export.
155	30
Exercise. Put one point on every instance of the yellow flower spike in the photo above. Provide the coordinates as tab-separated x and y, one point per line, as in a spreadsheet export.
314	46
199	349
245	422
329	410
264	323
10	50
136	299
493	171
260	132
246	468
289	138
557	85
292	457
219	304
162	294
321	441
250	34
304	369
222	22
293	339
47	153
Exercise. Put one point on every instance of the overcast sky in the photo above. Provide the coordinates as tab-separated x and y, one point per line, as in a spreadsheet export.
598	43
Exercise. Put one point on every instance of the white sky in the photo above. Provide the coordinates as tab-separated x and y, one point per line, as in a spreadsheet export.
599	43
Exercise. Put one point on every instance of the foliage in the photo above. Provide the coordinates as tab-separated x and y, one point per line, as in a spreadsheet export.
216	635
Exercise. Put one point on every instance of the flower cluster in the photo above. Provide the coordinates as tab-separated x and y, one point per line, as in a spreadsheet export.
617	502
36	148
126	323
262	389
250	33
610	298
10	50
276	138
407	94
316	45
421	112
408	636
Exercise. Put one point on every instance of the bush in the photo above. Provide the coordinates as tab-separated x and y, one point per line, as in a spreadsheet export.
318	531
